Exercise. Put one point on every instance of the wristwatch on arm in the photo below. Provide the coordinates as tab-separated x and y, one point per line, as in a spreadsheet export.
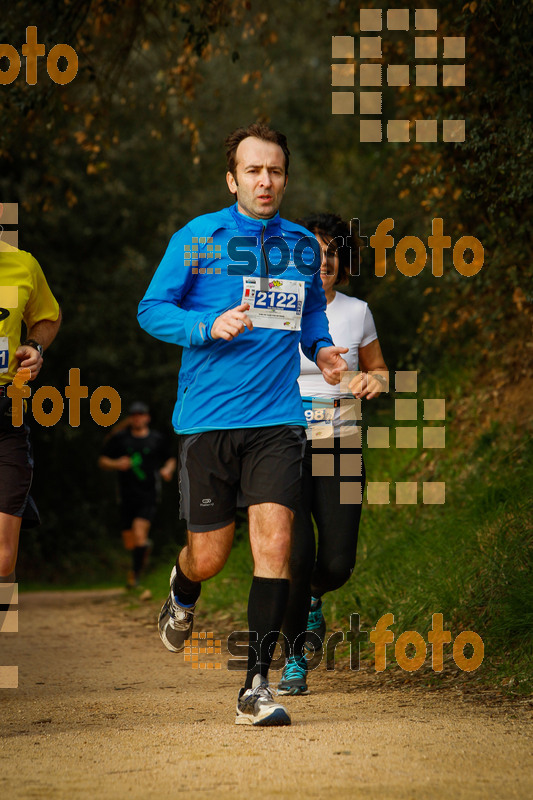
35	345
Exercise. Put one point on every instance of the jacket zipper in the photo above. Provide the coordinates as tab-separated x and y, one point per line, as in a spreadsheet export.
264	281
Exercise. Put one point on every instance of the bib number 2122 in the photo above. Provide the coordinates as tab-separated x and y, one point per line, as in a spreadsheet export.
276	300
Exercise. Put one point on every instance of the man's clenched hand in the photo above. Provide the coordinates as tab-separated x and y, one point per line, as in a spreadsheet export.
331	364
29	358
231	323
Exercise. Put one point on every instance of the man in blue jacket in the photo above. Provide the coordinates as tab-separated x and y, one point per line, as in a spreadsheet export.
240	313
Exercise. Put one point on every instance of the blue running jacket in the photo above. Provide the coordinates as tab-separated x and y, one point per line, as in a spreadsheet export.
248	382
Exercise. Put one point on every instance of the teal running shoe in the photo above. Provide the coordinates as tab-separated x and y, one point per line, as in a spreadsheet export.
315	624
294	677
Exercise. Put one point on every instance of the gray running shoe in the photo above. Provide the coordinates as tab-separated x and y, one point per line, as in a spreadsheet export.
256	706
175	622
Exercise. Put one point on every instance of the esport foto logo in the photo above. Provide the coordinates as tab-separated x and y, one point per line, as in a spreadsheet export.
203	644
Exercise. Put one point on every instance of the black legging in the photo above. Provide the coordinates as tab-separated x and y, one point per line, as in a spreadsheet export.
315	571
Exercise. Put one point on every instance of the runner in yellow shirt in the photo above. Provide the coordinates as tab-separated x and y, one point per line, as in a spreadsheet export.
24	297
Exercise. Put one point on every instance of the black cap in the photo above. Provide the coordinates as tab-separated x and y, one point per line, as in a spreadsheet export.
138	408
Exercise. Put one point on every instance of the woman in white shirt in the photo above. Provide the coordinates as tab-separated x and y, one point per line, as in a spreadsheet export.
332	486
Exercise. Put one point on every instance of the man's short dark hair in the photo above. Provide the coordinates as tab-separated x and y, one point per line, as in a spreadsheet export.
138	407
260	131
329	226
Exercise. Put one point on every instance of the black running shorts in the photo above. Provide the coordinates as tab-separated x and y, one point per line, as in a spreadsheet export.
16	472
221	470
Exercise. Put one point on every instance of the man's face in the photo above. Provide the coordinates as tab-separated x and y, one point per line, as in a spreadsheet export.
139	421
260	178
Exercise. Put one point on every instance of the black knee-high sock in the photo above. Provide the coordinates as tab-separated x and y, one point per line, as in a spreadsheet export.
185	591
138	555
266	608
295	622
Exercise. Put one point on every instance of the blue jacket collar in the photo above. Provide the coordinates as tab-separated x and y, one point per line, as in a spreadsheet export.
255	226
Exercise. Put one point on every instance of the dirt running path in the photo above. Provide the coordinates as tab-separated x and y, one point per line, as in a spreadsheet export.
104	712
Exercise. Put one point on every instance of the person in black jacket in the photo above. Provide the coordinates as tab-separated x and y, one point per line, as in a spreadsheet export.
140	456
